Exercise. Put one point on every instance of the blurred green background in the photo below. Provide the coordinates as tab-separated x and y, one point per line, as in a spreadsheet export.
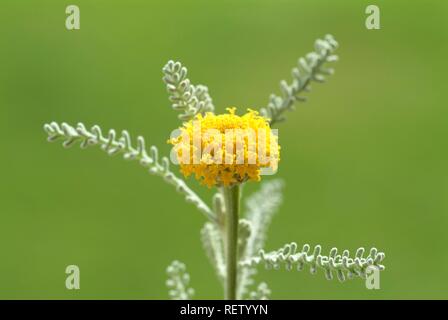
364	161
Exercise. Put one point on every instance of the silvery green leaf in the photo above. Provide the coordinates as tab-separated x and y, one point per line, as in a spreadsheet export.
308	69
186	98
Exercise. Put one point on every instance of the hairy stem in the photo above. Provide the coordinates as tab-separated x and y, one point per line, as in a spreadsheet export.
232	207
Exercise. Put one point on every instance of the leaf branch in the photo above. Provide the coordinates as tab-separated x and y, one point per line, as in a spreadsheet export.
185	97
262	292
308	69
122	145
178	282
214	248
344	265
260	208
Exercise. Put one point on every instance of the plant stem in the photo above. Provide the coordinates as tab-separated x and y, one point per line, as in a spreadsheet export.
232	207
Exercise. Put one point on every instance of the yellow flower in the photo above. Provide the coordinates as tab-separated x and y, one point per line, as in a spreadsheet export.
226	149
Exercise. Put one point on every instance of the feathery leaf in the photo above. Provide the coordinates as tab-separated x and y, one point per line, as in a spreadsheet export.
185	97
111	145
344	265
178	282
308	69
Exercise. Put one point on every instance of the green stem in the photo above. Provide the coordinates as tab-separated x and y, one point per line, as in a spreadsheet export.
232	207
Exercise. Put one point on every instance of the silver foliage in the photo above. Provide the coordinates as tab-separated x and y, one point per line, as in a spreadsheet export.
308	69
178	282
185	97
219	208
261	293
342	264
214	248
113	145
260	208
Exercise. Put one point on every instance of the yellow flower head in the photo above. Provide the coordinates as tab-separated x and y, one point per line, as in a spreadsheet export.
226	149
